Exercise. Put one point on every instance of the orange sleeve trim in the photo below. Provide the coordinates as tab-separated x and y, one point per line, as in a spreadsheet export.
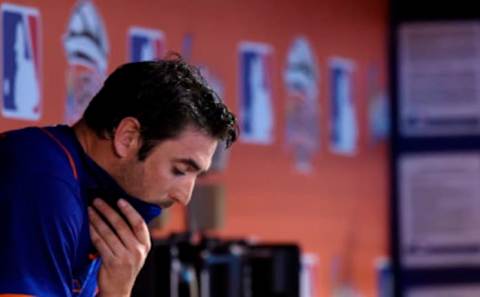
65	150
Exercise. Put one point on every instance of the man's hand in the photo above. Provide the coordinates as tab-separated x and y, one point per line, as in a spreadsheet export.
123	250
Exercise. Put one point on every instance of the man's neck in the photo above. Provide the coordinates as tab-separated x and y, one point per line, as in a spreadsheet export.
98	149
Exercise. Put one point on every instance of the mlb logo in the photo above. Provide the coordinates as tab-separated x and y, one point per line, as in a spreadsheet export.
22	95
344	126
145	44
256	114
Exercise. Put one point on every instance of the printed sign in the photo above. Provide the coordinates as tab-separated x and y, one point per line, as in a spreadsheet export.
22	94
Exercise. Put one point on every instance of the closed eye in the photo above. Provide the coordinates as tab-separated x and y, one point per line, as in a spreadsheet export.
177	172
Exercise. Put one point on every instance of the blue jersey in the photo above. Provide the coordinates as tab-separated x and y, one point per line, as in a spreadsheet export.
46	184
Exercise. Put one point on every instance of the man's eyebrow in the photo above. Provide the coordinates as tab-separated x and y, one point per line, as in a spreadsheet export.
191	163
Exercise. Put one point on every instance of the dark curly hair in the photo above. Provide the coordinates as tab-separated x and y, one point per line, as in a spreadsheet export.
165	96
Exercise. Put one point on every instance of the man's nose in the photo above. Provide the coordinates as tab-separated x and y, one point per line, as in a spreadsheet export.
184	191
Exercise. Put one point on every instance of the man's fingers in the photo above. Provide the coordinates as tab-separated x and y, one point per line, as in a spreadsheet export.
122	264
105	232
99	243
117	222
139	226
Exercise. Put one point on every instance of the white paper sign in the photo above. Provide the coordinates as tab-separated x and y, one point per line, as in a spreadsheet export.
440	210
439	78
445	291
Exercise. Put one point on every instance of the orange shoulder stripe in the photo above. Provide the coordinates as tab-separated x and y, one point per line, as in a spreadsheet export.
65	150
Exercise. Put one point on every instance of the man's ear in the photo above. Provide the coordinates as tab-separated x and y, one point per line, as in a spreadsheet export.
127	137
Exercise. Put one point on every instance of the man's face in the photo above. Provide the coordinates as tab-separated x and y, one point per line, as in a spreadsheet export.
169	172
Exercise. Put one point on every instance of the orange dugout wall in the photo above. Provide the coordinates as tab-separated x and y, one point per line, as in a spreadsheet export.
327	194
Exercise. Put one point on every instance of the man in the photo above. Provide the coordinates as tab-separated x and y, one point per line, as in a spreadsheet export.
74	201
